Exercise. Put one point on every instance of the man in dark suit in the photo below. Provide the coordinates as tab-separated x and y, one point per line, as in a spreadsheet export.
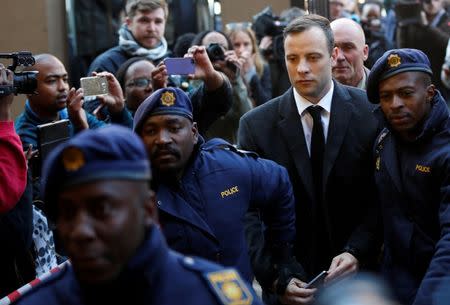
330	164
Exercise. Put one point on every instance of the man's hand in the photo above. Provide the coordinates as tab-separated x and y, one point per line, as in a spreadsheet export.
204	69
247	61
344	264
160	76
296	294
114	100
77	115
6	79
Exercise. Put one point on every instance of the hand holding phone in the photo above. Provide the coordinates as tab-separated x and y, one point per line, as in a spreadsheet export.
317	281
180	65
94	86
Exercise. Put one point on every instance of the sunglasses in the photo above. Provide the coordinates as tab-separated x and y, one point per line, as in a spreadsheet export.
140	82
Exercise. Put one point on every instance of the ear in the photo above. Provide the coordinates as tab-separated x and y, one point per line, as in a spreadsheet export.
366	52
431	91
195	132
150	209
128	21
334	55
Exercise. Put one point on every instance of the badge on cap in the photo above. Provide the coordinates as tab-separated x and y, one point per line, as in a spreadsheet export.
394	60
72	159
229	287
168	98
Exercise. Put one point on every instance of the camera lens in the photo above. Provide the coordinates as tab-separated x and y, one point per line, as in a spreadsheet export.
25	82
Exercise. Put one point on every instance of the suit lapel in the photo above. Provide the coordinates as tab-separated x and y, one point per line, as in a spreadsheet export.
341	112
291	128
175	205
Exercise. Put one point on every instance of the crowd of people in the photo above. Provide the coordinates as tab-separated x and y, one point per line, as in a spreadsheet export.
323	145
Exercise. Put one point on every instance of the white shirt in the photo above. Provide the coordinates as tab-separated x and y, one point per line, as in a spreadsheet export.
307	120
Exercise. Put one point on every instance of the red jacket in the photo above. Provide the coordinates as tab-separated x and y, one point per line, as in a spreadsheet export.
13	167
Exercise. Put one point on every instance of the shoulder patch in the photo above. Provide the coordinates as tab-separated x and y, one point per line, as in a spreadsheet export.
229	287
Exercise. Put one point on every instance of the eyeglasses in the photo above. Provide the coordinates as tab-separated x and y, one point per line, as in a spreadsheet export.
141	82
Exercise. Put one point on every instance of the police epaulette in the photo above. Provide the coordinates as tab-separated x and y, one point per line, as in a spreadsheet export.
226	284
382	135
42	282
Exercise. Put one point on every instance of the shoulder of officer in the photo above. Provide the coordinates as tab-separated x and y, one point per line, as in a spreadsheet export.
44	289
217	143
225	283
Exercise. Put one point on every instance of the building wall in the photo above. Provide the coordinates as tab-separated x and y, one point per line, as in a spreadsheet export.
243	10
37	26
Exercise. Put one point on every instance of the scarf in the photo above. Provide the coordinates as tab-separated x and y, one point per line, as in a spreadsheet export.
128	43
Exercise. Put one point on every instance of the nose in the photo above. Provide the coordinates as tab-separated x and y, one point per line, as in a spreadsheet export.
62	85
163	138
152	26
240	49
303	66
82	228
340	54
397	102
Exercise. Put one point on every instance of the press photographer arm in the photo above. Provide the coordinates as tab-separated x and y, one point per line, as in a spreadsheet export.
204	69
13	167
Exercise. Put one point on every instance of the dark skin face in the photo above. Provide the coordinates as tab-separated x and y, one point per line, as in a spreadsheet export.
170	140
52	87
102	223
405	100
135	93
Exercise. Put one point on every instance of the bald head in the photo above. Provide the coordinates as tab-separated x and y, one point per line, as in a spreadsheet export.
352	51
52	86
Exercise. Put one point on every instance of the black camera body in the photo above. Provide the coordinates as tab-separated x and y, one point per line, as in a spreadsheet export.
24	82
266	24
215	52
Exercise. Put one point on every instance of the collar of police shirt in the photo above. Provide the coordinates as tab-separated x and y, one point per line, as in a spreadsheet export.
306	118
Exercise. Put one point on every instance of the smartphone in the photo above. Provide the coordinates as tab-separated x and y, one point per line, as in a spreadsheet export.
317	281
94	86
180	65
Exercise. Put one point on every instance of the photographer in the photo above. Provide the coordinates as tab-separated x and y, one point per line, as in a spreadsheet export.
425	26
13	167
16	220
371	22
269	32
224	59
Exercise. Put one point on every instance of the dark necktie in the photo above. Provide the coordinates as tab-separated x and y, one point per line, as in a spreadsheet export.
320	231
317	149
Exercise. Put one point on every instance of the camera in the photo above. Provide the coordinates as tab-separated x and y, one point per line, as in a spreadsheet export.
216	53
266	24
24	82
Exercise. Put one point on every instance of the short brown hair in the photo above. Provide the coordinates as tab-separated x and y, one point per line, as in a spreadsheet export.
134	6
303	23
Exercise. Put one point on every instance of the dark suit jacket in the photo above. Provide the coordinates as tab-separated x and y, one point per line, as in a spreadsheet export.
274	131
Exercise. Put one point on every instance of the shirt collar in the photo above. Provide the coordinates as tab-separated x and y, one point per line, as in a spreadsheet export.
302	103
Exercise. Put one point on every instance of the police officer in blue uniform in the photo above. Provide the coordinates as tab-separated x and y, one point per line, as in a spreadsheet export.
96	187
412	166
204	188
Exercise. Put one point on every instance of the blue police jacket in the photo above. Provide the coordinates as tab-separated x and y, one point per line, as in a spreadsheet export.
414	188
203	214
155	275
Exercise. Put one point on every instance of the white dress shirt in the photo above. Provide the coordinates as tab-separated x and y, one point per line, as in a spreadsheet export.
307	120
